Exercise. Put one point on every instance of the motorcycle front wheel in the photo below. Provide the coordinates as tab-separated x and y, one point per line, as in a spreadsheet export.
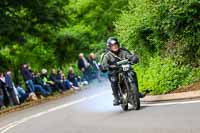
134	98
124	97
124	107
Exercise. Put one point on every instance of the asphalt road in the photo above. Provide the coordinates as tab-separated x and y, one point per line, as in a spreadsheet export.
91	111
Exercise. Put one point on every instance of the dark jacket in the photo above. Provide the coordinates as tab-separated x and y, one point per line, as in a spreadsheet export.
94	64
9	82
71	76
1	88
27	75
38	80
58	77
54	78
1	96
81	64
110	58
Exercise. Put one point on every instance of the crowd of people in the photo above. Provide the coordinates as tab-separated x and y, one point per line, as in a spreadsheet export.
89	67
44	83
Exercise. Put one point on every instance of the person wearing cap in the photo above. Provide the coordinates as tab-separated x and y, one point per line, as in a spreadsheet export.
113	54
46	80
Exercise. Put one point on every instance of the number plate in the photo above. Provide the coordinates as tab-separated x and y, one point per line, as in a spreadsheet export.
126	67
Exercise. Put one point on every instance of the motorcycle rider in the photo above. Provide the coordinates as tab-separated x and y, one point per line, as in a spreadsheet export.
114	54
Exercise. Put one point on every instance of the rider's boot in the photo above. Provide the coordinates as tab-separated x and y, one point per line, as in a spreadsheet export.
142	95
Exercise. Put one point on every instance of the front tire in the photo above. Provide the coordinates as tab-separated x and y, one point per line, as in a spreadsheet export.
124	107
134	98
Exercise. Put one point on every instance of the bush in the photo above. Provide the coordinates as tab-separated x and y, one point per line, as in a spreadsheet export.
162	75
167	27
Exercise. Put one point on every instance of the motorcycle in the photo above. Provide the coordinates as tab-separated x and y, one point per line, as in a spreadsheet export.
128	90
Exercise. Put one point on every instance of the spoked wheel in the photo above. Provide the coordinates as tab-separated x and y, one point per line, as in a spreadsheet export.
125	95
124	102
134	99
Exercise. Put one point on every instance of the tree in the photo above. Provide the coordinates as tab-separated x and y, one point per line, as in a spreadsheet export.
167	28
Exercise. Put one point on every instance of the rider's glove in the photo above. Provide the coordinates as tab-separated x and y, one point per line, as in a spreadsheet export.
134	59
103	68
113	66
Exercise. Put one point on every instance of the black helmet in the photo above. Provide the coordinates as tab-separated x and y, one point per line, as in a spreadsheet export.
111	41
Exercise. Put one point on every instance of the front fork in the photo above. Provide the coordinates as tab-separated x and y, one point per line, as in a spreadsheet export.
130	81
123	95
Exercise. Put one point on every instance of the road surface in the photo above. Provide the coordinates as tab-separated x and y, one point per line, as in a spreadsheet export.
91	111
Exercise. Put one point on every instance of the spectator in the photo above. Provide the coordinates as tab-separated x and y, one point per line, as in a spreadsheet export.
95	66
68	84
72	77
6	95
57	82
10	88
65	82
46	80
1	100
83	66
39	88
1	95
39	82
28	78
21	93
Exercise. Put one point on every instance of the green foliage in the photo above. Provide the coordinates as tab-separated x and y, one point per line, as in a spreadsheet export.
75	68
162	75
194	76
51	33
92	21
166	35
28	30
170	28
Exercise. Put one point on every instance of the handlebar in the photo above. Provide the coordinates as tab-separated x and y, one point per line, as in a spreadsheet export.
119	63
123	62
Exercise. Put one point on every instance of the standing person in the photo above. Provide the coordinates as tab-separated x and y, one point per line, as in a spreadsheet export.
95	66
1	95
1	99
10	87
114	54
83	66
6	95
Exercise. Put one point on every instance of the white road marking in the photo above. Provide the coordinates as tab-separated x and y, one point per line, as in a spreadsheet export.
9	126
171	103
